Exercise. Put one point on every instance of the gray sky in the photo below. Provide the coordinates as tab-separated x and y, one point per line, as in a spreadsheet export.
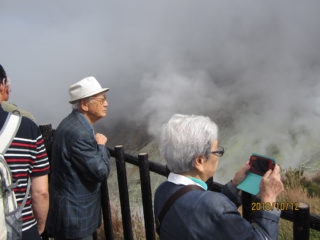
252	65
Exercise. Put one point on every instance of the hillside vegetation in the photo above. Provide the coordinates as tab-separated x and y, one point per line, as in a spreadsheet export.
300	189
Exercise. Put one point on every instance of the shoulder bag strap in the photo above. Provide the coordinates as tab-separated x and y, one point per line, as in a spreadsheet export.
9	130
172	199
7	133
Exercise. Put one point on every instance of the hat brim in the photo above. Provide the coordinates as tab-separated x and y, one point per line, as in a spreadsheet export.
89	95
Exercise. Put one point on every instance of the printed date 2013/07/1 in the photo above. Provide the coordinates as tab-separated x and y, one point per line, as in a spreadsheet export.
283	206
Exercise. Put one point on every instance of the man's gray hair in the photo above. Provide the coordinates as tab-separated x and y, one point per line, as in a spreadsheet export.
185	137
75	106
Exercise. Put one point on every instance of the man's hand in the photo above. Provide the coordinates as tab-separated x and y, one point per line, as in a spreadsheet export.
101	139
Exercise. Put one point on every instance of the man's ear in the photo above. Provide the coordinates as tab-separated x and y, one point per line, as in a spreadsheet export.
83	106
2	85
7	89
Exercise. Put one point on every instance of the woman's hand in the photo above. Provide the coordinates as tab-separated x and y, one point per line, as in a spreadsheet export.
241	174
271	185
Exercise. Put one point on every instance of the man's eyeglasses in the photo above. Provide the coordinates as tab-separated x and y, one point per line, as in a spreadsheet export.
219	152
101	100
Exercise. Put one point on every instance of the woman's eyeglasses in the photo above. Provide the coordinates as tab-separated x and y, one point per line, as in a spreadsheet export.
219	152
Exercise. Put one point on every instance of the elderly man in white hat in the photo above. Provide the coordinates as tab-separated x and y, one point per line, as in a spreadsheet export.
80	163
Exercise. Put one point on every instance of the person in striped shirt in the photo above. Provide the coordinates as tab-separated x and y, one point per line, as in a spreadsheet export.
27	158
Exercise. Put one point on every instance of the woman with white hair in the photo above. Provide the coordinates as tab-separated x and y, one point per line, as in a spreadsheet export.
190	147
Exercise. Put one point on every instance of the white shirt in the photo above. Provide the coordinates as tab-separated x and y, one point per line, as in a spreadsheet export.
181	180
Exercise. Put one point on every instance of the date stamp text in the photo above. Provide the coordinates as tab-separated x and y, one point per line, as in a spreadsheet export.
268	206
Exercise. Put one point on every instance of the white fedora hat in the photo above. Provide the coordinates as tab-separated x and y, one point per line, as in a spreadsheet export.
86	87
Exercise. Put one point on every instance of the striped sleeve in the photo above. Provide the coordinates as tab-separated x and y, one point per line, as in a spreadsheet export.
26	158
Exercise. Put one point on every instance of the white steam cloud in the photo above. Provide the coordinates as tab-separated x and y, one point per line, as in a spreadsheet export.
252	66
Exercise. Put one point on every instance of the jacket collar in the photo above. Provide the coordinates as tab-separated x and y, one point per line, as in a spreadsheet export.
82	119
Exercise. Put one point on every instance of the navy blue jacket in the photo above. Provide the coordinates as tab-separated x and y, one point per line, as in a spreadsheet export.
210	215
78	166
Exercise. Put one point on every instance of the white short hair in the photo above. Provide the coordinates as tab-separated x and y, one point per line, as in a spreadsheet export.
185	137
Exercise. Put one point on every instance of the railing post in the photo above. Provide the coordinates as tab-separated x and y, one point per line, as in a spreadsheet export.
301	222
47	134
246	206
123	191
146	196
213	186
106	211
